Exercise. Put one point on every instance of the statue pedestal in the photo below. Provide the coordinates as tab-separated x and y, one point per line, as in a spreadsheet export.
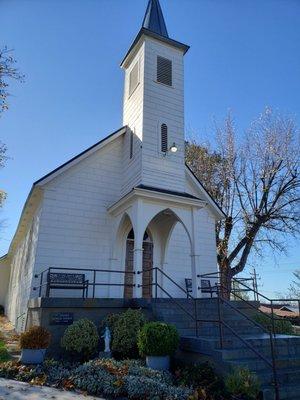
105	354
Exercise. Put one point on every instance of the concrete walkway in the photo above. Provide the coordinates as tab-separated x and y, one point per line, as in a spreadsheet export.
14	390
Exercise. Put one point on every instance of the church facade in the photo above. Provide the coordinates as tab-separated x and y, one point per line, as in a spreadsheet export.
127	211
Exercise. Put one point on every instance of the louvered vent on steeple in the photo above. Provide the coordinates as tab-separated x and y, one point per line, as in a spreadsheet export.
164	71
164	138
133	78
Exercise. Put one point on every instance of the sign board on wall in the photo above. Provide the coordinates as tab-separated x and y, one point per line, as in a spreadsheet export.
61	318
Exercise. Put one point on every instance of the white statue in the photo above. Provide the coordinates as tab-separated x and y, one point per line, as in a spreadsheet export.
107	339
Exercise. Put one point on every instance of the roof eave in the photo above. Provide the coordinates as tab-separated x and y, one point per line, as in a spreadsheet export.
143	31
213	203
70	162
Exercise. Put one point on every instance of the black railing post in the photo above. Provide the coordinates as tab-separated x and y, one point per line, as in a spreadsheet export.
94	281
196	316
275	378
273	321
41	283
156	283
220	318
48	283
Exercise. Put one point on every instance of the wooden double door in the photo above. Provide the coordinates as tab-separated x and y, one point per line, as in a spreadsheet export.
147	266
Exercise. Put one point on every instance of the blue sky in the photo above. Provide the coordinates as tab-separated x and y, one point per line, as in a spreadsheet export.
244	55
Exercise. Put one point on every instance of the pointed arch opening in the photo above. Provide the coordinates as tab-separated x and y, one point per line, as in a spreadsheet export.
147	265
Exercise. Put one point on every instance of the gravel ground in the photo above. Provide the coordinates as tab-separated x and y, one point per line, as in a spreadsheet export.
14	390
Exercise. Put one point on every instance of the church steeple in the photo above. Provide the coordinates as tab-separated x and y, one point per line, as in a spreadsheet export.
154	19
153	108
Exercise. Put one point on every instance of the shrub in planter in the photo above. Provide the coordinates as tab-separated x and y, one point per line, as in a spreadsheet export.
158	341
243	384
81	339
34	344
124	328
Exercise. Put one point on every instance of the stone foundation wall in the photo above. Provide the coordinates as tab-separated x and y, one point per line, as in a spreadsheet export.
56	314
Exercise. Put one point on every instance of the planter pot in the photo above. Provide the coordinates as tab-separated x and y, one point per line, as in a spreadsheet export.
160	363
32	356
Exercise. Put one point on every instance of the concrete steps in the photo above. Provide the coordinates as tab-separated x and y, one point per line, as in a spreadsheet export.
234	352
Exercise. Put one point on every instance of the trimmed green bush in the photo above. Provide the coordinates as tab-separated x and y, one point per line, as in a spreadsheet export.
4	355
158	339
281	325
124	328
81	339
243	383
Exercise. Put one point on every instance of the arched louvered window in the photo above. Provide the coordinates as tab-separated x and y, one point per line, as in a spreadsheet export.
164	138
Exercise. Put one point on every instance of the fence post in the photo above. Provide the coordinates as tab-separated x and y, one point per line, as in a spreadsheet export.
220	318
41	283
156	282
94	281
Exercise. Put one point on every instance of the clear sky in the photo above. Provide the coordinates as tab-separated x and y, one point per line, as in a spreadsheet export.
245	55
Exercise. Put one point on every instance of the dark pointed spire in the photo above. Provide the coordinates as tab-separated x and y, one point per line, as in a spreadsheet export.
154	19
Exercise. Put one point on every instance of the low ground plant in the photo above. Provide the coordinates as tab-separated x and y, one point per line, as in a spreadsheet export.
103	377
202	378
130	379
243	384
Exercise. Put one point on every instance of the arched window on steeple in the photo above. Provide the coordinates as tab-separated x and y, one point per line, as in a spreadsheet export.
164	138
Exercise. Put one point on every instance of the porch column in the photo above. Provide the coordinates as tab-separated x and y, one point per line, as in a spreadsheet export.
138	267
137	220
195	253
195	263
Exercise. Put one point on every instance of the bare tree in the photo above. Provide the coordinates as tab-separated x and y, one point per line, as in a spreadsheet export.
294	289
256	181
8	70
3	158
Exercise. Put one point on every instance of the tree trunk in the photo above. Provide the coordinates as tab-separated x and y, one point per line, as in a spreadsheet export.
225	279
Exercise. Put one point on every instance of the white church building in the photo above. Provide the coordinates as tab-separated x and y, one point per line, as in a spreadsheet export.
126	218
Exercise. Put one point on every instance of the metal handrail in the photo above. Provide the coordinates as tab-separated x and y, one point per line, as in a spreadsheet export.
93	284
221	322
272	334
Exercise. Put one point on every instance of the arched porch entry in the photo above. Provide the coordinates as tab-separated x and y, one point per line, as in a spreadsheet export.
143	238
147	274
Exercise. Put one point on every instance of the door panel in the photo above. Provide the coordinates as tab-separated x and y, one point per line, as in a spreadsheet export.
128	279
147	264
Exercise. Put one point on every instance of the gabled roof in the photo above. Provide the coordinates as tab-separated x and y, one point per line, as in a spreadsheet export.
210	199
81	155
34	196
154	19
144	31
